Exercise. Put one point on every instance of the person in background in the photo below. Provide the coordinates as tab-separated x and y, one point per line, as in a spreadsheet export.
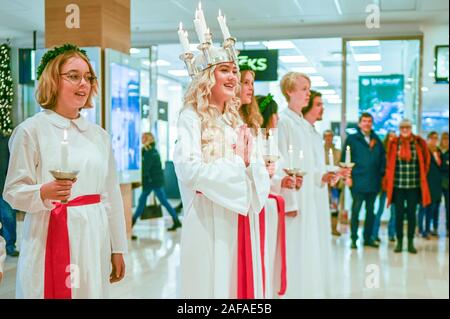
382	204
408	160
153	180
7	214
333	191
369	156
444	149
434	178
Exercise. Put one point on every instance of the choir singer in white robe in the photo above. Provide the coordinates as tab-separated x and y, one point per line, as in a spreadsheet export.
302	225
220	186
73	249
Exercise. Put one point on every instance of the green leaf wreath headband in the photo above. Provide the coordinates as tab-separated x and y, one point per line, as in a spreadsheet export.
267	100
51	54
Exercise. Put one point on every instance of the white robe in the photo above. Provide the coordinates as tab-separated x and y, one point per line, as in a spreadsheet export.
323	211
304	275
208	267
95	231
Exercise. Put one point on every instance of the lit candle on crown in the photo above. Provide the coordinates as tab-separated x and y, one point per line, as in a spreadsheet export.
183	36
65	153
199	28
223	26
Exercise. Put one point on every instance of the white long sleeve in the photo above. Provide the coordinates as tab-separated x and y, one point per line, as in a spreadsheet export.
22	190
112	199
224	180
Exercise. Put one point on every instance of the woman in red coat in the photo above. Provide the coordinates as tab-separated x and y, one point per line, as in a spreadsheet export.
408	161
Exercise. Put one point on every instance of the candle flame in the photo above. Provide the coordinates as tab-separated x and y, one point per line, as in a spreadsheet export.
65	135
200	5
181	26
348	148
301	153
220	12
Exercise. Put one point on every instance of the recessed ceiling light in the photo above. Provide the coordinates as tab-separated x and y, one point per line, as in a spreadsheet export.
162	63
327	92
367	57
431	74
179	73
319	84
370	68
316	78
425	89
293	59
162	82
252	43
134	51
335	101
369	43
306	69
279	45
332	97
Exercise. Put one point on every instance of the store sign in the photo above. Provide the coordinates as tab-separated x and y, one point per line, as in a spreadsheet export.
263	62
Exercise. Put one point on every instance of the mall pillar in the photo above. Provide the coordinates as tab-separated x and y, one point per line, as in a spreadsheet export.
92	23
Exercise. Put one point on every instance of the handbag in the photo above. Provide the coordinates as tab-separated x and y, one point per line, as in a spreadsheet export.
152	211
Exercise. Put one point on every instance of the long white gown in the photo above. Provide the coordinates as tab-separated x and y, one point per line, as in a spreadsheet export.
214	191
323	212
305	277
95	231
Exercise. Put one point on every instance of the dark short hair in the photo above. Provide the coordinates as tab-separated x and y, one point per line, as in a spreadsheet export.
366	115
313	95
432	133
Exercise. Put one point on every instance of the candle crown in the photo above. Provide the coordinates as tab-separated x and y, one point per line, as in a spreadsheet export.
209	55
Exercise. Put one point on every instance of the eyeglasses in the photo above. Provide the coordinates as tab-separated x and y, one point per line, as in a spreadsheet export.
75	78
405	127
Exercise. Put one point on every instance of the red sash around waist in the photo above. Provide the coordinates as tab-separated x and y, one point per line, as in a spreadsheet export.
57	284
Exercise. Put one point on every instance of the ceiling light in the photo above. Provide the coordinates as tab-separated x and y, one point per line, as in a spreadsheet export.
332	97
319	84
252	43
370	68
367	57
293	59
162	63
134	51
425	89
334	101
179	73
306	69
327	92
162	82
279	45
316	78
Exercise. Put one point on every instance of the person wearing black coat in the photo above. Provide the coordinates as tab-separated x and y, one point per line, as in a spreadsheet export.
445	165
153	180
369	156
434	178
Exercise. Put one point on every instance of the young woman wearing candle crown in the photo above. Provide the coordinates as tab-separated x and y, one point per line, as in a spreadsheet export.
221	183
72	250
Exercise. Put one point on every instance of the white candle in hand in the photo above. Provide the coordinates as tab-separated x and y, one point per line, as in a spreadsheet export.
348	158
223	26
330	157
183	36
300	162
291	157
65	153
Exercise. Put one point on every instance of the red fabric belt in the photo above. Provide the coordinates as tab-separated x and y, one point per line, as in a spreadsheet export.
281	240
57	284
245	262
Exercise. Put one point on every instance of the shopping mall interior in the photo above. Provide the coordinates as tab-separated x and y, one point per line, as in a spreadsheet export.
388	58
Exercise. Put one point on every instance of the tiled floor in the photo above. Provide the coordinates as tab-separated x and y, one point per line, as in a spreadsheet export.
153	261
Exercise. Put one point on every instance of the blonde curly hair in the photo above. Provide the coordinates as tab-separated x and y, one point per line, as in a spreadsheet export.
198	97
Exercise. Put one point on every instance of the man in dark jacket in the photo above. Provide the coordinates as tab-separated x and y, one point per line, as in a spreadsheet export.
7	214
369	156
